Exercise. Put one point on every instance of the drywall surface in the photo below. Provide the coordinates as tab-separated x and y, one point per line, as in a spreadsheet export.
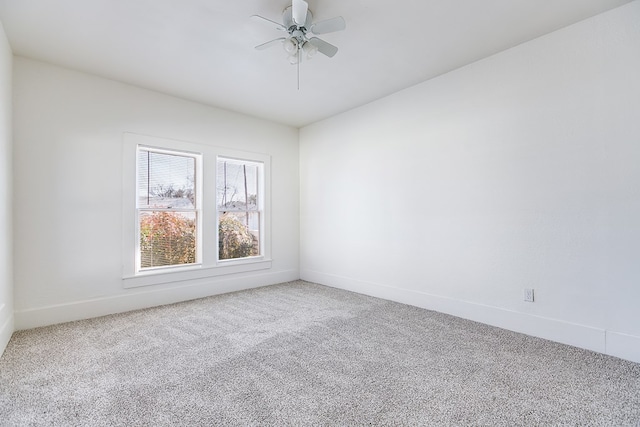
6	259
517	171
68	174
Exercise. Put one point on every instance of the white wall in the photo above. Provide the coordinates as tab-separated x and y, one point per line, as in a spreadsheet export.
517	171
68	131
6	259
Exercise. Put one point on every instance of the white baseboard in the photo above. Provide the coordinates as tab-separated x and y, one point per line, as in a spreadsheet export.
144	298
623	346
587	337
6	327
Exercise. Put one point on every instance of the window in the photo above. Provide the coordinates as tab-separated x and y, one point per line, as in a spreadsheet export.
192	211
168	208
239	213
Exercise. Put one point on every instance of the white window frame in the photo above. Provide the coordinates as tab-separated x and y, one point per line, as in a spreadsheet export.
197	210
261	204
207	264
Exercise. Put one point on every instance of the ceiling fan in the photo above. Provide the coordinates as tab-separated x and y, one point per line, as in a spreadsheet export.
300	41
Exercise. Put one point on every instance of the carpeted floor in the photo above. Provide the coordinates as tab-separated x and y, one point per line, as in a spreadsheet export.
302	354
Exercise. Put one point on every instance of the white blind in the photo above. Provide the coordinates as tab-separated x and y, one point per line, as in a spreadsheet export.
166	180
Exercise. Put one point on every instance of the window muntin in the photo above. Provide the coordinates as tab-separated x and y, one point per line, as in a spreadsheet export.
167	209
239	204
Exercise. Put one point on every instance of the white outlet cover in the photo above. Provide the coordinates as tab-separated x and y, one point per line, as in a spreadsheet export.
528	295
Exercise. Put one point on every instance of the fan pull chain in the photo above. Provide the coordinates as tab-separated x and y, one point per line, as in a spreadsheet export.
299	59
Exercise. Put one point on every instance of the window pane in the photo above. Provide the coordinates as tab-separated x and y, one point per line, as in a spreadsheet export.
238	234
166	180
167	238
237	185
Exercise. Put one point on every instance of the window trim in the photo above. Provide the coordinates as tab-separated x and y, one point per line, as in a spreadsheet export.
208	264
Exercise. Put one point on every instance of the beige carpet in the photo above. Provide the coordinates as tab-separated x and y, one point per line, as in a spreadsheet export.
302	354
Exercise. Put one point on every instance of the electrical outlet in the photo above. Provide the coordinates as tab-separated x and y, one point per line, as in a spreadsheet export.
528	295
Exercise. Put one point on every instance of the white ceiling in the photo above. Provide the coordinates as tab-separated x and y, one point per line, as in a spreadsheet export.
203	50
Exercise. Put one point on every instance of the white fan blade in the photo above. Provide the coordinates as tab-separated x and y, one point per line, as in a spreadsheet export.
266	45
269	22
329	26
324	47
299	10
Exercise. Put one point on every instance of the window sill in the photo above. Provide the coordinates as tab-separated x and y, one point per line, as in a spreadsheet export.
159	277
